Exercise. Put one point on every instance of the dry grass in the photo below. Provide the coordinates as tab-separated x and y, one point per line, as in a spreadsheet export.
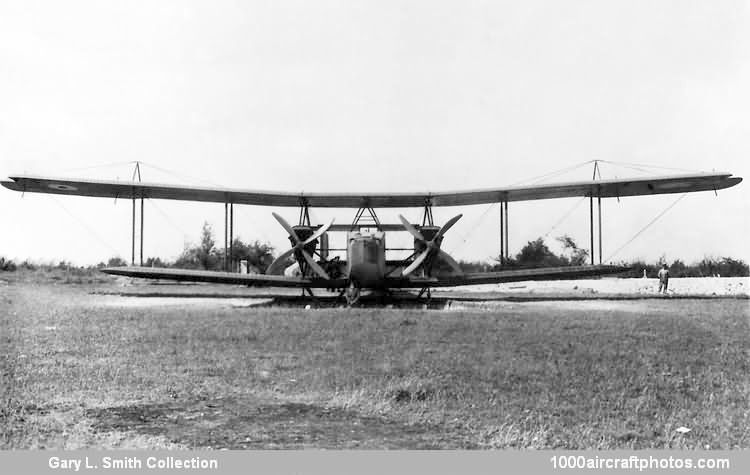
76	373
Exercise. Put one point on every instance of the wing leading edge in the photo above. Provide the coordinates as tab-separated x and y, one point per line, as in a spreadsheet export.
515	275
263	280
188	275
603	188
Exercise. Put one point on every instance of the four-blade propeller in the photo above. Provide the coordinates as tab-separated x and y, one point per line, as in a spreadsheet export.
432	247
276	266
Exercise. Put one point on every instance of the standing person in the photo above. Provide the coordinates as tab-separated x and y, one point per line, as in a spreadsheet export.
663	278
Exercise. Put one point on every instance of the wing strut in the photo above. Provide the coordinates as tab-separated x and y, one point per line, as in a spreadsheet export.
231	236
597	172
228	236
502	237
503	233
507	252
599	208
591	225
137	173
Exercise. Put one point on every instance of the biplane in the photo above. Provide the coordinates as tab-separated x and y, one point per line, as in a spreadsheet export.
367	264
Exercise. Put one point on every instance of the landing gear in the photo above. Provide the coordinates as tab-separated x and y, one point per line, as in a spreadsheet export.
352	293
423	291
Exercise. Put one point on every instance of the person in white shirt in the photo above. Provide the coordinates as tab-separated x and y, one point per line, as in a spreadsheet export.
663	279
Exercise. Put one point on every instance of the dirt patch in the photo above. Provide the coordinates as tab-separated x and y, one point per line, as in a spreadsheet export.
139	302
247	424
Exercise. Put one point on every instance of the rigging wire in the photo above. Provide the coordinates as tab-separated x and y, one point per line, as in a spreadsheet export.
649	166
646	226
629	167
539	178
84	225
565	216
181	176
252	222
472	228
167	218
92	167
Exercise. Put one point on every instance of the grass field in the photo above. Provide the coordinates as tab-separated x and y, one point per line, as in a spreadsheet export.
79	370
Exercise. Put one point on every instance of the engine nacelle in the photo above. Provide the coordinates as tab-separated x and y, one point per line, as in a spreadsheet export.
428	232
304	232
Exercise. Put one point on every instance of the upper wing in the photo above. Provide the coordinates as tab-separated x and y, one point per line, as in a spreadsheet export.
261	280
603	188
543	273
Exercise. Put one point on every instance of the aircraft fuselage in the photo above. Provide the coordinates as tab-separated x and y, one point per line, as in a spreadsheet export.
365	262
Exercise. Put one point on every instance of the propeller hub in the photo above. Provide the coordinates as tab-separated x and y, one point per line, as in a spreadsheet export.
298	247
431	248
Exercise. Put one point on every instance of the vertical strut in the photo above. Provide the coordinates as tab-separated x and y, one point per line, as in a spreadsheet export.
231	237
427	219
591	222
136	173
507	247
132	242
141	228
591	212
502	236
599	202
226	209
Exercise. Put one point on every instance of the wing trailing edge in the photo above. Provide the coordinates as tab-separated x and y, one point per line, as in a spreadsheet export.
264	280
617	188
516	275
190	275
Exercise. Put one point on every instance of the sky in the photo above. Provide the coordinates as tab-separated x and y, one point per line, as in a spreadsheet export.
379	96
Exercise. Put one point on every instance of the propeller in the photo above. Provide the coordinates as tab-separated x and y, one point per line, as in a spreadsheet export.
432	247
299	245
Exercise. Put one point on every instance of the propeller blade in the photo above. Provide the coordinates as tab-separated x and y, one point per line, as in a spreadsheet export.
446	227
412	230
276	267
417	262
321	230
286	226
314	265
452	262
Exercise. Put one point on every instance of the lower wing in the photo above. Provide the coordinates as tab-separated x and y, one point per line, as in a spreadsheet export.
263	280
516	275
260	280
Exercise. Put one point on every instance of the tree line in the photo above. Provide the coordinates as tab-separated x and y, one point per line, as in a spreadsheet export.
537	254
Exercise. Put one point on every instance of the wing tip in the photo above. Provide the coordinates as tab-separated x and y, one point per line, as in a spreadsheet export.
11	185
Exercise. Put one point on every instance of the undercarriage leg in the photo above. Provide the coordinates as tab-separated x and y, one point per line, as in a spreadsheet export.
425	290
352	293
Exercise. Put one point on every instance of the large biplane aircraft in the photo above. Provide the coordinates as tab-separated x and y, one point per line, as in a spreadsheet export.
367	265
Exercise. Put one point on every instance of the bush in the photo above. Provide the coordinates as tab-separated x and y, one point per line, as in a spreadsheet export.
116	262
7	265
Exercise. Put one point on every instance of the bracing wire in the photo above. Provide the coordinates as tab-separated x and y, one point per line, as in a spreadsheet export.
630	167
167	218
626	164
180	175
565	216
662	213
551	174
86	226
93	167
257	228
472	228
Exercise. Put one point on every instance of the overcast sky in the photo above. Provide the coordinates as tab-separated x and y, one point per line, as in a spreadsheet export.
379	96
